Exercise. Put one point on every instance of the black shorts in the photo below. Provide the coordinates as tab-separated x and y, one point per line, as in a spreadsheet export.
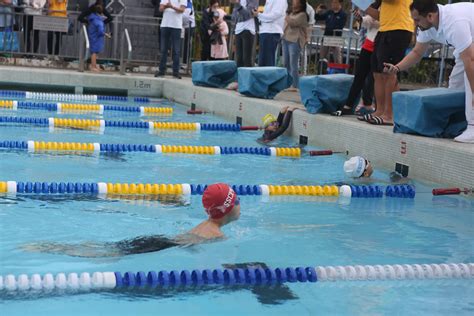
390	47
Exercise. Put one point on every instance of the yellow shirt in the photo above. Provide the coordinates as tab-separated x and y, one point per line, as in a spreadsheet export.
58	8
395	15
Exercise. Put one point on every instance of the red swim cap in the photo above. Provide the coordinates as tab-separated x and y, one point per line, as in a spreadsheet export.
218	200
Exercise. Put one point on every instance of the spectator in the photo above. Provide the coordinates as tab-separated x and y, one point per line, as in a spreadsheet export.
206	21
189	25
218	32
171	26
242	16
363	71
56	8
335	22
271	21
83	17
32	8
452	24
391	42
6	13
96	32
294	39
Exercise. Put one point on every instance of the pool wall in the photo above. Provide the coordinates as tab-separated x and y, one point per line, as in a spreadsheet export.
438	160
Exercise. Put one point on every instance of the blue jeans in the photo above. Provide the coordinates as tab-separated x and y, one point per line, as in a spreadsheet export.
170	38
267	48
291	56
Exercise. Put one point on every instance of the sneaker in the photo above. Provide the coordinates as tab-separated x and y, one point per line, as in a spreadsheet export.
467	136
177	76
159	74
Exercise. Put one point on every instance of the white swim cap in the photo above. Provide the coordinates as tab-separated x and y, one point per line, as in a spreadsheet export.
354	167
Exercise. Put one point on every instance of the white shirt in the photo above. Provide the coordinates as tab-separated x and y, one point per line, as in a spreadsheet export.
310	12
34	7
372	27
171	18
456	27
272	20
188	17
248	25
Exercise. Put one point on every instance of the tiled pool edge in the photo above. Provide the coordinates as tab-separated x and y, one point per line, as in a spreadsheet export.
437	160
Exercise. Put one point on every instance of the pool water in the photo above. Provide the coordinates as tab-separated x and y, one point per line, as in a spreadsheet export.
276	231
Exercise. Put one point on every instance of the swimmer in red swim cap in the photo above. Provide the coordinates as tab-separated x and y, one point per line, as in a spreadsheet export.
222	205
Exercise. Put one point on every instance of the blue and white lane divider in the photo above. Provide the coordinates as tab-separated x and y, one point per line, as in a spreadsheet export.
96	108
232	277
68	97
102	188
100	125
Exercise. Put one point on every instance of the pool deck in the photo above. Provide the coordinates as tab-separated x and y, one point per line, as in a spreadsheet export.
431	159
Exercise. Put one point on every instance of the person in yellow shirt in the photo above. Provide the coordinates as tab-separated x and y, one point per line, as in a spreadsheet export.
56	8
391	42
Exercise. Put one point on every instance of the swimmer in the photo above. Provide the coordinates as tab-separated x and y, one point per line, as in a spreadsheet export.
361	169
220	202
274	127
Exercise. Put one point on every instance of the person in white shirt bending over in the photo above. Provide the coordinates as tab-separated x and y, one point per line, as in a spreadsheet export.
170	32
272	21
451	24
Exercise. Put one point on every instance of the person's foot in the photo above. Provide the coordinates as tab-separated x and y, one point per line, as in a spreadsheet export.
159	74
346	110
177	76
233	86
467	136
95	69
381	120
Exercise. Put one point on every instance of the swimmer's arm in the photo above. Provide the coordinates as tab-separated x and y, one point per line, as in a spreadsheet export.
283	126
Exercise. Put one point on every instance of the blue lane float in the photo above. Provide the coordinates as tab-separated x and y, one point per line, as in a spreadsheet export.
102	124
376	191
95	108
69	97
231	277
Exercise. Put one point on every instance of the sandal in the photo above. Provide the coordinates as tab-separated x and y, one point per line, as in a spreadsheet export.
366	118
343	111
377	120
363	111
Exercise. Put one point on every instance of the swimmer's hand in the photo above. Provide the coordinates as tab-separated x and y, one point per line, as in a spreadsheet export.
391	69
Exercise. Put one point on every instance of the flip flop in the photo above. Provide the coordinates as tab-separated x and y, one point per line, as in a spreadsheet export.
367	118
377	120
364	111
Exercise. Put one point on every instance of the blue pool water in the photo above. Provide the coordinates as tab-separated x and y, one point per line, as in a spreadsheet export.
278	231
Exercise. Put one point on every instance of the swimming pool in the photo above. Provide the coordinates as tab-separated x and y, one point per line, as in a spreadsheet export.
277	231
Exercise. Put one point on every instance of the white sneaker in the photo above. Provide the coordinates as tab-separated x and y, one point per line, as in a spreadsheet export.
467	136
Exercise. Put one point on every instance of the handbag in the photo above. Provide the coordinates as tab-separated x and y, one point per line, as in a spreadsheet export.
9	41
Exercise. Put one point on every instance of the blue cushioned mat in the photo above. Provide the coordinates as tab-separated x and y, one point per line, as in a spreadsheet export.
437	112
263	82
217	74
325	93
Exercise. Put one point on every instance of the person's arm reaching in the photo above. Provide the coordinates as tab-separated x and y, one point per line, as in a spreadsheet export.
410	60
109	17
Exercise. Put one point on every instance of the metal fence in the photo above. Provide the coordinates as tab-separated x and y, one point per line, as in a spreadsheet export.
135	40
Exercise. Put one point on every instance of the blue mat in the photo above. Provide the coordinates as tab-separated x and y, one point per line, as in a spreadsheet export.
438	112
216	74
325	93
263	82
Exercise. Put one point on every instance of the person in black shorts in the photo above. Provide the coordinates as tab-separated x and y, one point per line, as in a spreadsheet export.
391	42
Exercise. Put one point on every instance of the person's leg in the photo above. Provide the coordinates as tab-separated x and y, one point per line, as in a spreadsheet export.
467	135
362	71
164	47
94	62
323	53
36	40
248	39
176	49
27	31
368	90
286	55
294	52
262	41
239	49
377	69
271	49
398	42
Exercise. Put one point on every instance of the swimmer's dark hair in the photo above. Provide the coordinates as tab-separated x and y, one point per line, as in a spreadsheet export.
424	7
